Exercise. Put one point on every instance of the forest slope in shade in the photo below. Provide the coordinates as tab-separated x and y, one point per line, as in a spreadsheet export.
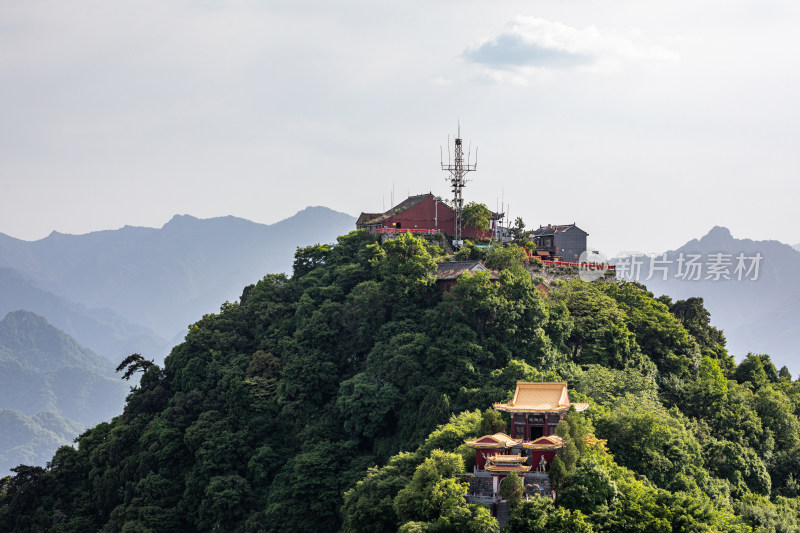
340	397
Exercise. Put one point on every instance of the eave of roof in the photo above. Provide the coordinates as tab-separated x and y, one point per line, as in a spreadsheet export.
406	204
545	397
500	440
507	468
551	442
506	459
453	270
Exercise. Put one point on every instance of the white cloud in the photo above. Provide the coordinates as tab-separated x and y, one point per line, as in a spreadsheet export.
529	45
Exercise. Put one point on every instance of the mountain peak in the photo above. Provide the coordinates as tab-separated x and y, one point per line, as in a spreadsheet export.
718	238
719	232
180	220
40	346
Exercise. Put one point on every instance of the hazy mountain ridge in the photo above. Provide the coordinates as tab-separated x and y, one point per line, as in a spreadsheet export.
44	369
41	348
757	316
166	278
101	330
33	440
51	388
178	273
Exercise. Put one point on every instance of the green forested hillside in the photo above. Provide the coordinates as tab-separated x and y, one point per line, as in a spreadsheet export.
33	439
339	399
42	369
40	347
51	389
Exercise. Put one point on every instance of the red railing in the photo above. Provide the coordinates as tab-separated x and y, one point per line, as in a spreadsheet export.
591	266
408	230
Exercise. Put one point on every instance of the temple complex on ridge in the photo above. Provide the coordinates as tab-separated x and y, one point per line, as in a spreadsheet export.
535	410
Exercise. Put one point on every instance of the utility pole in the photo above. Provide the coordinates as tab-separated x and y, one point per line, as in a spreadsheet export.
458	171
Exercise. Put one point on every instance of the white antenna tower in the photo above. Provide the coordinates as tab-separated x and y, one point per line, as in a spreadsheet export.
458	171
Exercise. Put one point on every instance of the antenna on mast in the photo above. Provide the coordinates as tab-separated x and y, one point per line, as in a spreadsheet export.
458	171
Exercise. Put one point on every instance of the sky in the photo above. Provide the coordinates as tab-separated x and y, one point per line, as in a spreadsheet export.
645	123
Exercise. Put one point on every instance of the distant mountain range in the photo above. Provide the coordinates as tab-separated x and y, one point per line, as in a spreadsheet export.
118	292
105	331
757	315
137	289
797	247
51	388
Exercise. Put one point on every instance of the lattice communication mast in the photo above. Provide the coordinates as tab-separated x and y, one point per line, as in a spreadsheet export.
458	171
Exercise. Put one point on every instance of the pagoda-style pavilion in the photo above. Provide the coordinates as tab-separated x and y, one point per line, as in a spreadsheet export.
537	408
489	445
501	466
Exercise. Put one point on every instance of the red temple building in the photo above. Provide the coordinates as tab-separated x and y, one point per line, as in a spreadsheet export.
422	213
536	410
489	445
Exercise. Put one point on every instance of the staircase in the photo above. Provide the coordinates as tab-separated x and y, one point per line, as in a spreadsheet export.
502	513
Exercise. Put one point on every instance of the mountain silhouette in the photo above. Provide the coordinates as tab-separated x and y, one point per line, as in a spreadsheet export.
149	284
757	313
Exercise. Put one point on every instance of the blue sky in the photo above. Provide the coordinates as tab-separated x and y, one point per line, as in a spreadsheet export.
645	123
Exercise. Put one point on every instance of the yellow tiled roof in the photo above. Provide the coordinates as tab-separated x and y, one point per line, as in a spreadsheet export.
551	442
499	458
507	468
540	398
498	440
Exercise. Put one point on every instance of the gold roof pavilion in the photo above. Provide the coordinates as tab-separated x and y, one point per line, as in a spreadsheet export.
540	398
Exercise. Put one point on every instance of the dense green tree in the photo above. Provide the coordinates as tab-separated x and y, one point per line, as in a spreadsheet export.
469	251
433	490
645	437
693	315
520	236
736	463
512	489
539	515
607	385
369	506
308	258
600	335
132	364
405	265
658	334
475	215
756	371
589	488
501	258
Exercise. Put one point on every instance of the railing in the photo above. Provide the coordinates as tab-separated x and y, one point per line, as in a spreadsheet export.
590	266
408	230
